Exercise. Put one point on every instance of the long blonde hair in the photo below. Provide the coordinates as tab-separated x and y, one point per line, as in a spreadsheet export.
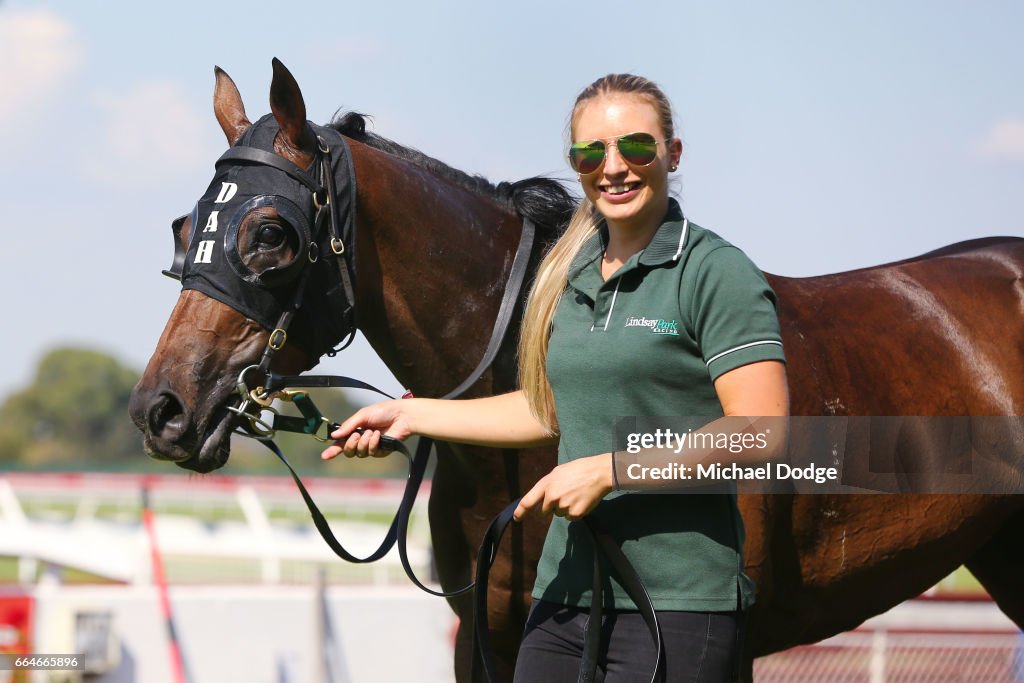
553	272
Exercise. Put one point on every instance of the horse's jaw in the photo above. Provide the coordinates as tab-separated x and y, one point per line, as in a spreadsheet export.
181	403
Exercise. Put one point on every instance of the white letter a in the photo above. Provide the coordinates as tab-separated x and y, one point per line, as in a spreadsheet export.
211	222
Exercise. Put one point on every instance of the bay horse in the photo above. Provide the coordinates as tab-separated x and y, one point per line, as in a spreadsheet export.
942	334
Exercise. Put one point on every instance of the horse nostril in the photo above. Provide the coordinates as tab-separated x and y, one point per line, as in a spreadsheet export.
167	417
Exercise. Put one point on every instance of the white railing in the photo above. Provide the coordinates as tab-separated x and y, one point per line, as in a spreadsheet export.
211	529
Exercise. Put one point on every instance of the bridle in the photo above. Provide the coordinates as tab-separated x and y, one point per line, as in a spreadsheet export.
333	229
330	245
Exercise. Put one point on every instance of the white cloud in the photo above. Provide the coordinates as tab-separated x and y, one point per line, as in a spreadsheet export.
149	133
38	53
1004	141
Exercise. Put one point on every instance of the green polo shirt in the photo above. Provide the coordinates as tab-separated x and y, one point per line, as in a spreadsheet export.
650	341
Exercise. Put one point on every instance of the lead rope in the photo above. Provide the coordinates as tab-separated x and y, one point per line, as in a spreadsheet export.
398	531
483	654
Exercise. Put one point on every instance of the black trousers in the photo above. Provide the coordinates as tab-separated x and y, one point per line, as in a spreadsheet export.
698	646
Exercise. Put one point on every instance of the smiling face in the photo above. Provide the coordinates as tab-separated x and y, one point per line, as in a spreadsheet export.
630	197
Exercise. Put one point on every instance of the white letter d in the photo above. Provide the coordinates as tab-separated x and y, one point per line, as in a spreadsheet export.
227	191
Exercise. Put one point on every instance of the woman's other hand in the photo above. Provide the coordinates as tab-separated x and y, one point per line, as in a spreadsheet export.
571	490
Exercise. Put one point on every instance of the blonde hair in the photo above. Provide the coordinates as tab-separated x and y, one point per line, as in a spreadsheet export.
553	272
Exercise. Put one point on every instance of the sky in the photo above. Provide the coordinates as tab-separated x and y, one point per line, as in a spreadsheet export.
818	137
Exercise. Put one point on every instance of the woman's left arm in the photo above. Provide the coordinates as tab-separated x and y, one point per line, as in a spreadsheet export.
754	390
571	490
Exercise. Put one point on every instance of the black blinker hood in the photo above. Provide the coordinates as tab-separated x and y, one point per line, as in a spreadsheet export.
245	181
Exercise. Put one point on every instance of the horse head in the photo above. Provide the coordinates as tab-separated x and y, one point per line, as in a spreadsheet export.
246	254
268	263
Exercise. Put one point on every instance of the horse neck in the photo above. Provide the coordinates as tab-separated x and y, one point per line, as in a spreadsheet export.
432	262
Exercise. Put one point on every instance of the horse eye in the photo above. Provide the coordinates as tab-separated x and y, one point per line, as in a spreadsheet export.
270	235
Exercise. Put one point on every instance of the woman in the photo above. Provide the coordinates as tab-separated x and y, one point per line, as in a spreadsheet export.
634	312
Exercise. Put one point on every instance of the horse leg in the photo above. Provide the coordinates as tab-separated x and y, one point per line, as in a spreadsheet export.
747	668
999	566
463	639
452	552
454	521
504	643
504	651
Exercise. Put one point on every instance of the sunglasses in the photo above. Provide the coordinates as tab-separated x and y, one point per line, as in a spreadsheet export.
636	149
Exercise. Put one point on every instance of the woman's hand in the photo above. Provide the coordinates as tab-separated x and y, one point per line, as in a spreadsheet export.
372	421
570	490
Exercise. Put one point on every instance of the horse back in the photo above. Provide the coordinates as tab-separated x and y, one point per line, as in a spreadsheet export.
940	334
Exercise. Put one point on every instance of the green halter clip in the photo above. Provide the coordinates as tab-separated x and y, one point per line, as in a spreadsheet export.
310	422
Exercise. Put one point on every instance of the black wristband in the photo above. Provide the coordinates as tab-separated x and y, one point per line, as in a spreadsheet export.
615	475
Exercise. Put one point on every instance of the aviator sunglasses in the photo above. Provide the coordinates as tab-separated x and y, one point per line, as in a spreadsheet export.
636	149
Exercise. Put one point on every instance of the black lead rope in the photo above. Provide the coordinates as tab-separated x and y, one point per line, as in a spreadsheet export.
483	651
397	532
601	540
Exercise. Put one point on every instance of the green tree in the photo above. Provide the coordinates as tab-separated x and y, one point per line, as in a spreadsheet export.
74	414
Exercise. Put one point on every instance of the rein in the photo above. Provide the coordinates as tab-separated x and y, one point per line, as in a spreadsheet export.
277	386
328	229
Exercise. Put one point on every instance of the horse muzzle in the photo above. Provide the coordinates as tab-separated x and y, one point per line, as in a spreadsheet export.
172	433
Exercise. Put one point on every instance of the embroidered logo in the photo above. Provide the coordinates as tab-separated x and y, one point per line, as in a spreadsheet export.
655	325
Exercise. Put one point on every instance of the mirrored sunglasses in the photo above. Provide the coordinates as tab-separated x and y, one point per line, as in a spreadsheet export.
636	149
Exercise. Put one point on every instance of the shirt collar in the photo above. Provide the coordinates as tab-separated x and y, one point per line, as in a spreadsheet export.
667	244
670	240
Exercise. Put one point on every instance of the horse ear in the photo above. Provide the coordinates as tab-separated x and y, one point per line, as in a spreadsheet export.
288	107
227	105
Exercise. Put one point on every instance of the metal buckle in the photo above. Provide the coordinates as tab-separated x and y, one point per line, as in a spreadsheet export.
314	252
260	397
337	246
241	385
260	428
278	333
323	439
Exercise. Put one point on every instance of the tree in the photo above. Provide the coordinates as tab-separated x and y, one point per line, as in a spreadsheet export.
75	413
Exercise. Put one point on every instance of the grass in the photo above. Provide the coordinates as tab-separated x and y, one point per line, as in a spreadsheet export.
960	582
68	575
209	513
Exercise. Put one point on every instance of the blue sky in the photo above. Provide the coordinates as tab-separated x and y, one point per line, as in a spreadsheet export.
818	137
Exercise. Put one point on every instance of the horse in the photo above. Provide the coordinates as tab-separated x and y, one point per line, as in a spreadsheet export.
936	335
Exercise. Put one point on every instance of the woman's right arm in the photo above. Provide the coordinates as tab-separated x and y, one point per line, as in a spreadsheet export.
503	421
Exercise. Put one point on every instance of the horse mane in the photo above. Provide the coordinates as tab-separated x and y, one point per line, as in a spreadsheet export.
543	200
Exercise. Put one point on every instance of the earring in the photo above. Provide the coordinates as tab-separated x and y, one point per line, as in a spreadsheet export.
673	167
579	176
